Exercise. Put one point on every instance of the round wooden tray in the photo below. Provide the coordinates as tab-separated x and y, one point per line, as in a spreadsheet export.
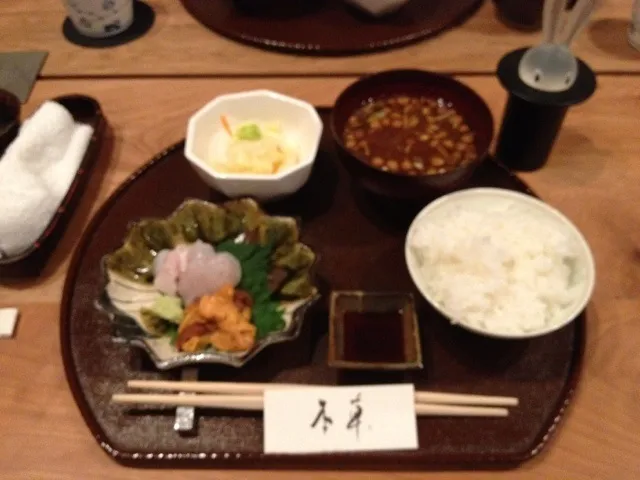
360	240
329	27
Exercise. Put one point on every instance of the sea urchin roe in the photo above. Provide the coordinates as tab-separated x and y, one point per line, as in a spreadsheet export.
410	135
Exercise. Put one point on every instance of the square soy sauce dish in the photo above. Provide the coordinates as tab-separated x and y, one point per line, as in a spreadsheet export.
373	331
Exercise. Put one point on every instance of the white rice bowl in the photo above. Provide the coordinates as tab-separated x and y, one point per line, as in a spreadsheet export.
500	263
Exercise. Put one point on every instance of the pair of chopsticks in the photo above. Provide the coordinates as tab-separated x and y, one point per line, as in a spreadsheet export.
250	396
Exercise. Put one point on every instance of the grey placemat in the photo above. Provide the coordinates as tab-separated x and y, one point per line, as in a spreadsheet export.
19	71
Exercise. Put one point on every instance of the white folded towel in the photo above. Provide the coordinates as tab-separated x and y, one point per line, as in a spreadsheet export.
36	172
59	175
26	206
44	137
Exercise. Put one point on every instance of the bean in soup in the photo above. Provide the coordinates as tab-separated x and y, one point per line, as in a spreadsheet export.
410	135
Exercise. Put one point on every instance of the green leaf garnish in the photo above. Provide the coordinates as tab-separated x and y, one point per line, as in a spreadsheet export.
267	317
156	325
267	314
168	308
172	333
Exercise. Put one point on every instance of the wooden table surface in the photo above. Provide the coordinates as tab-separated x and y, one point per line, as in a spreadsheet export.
592	177
179	45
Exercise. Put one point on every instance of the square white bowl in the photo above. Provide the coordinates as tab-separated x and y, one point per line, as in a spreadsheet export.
298	119
378	8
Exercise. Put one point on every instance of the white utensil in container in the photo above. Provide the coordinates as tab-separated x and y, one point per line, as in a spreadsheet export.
550	66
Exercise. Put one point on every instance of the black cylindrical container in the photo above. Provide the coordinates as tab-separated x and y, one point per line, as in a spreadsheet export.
532	118
528	133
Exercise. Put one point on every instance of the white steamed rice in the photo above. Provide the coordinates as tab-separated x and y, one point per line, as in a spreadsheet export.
502	268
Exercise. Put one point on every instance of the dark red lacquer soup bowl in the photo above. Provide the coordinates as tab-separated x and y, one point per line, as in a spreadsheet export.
411	133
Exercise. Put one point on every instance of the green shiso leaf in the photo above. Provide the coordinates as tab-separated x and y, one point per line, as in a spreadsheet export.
267	314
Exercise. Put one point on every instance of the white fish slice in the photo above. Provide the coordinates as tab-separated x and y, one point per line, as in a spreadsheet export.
125	282
124	294
133	306
207	275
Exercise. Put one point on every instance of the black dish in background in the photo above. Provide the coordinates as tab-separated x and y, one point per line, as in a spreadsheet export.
274	9
523	15
327	27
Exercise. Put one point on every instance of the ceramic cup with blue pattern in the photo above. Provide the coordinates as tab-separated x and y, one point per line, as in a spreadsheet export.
100	18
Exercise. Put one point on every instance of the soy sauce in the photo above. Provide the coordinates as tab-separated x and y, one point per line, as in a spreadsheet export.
374	337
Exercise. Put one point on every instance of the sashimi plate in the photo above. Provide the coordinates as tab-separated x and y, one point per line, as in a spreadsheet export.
151	299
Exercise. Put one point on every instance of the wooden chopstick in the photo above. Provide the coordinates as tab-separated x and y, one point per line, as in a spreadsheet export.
259	388
234	402
256	403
